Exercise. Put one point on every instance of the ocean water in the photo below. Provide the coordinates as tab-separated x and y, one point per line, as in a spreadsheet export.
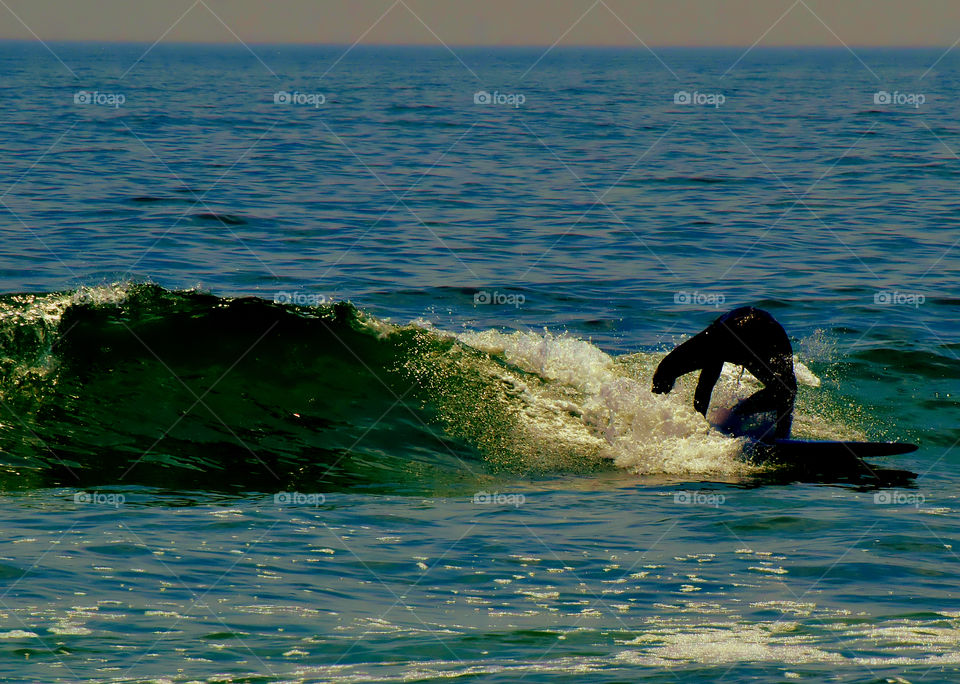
329	365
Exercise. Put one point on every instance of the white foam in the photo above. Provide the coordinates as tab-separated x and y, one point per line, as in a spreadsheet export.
115	293
17	634
603	405
805	376
639	431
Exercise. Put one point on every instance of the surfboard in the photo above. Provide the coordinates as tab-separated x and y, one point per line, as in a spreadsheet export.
832	461
800	449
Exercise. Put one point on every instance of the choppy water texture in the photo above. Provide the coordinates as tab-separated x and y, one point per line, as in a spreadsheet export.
360	391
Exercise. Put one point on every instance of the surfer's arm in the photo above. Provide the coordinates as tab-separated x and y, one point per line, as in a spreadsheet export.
708	378
692	355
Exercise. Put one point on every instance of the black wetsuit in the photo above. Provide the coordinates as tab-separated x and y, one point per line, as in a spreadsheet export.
747	337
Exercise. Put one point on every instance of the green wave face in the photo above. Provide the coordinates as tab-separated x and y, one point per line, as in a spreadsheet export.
141	385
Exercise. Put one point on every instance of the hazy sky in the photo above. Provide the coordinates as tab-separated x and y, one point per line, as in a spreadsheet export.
490	22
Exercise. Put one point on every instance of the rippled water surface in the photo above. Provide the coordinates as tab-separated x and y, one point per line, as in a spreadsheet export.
214	468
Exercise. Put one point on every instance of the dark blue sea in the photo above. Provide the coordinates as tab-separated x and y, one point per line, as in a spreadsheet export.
321	364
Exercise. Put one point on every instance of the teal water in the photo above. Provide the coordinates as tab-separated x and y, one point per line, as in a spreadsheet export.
215	468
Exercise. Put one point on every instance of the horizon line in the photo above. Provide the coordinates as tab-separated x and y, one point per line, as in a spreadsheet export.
601	46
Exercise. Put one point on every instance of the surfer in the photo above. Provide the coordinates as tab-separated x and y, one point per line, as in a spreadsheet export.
747	337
